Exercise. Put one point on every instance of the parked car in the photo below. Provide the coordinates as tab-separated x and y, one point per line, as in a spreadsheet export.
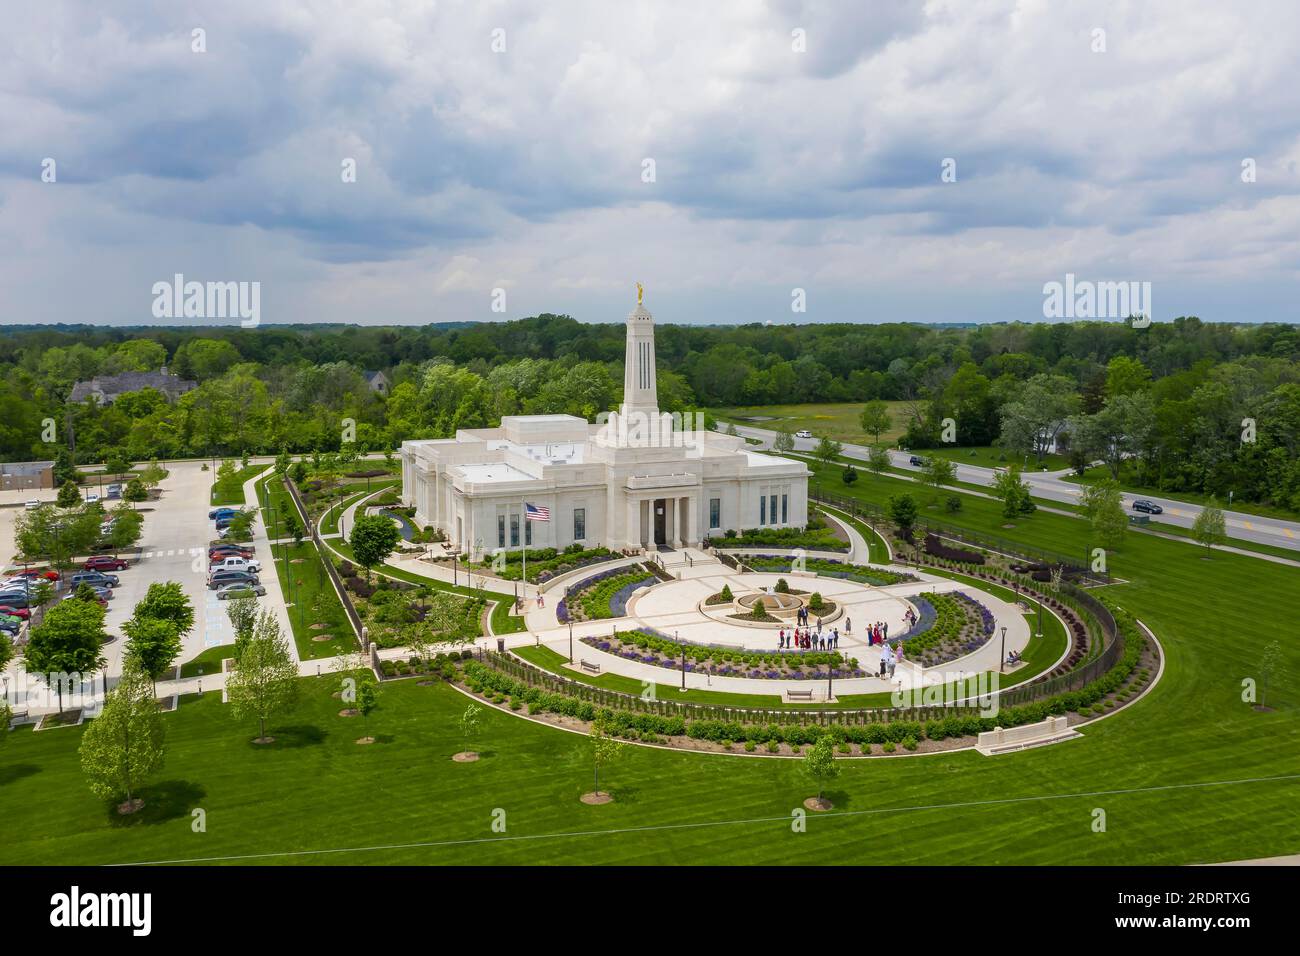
224	550
45	573
91	497
231	591
15	611
97	578
32	505
14	599
216	513
10	625
224	523
231	562
99	598
223	577
916	461
112	492
1149	507
803	433
106	562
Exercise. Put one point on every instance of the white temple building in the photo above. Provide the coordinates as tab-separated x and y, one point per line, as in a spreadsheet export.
635	479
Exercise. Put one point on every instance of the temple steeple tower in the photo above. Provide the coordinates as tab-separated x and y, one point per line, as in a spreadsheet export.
639	389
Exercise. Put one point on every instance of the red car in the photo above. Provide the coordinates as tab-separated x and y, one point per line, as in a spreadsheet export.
104	562
15	611
217	554
45	573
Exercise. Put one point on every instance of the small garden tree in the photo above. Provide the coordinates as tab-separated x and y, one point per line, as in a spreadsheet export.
67	644
938	471
902	511
165	600
819	763
117	463
242	614
367	701
264	679
1104	506
135	491
1014	492
373	539
875	419
828	449
69	495
878	460
1210	527
849	475
153	644
783	441
469	727
604	751
124	744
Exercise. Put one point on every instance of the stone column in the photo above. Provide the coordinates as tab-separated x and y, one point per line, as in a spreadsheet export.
633	533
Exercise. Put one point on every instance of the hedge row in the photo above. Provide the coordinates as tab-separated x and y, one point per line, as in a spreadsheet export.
483	679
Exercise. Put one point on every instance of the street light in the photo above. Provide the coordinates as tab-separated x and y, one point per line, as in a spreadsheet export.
683	649
1040	616
570	642
1002	659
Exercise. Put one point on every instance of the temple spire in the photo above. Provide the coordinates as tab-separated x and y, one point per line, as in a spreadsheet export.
640	393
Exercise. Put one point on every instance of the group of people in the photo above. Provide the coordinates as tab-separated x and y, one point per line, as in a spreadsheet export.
877	633
890	657
807	639
801	618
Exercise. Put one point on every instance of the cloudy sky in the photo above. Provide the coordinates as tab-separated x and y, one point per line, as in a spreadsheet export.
795	144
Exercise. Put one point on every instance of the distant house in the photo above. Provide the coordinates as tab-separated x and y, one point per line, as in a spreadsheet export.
26	474
377	381
105	390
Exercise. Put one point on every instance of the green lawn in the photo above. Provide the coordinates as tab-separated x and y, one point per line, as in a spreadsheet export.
275	503
838	420
1189	774
329	521
207	661
986	456
314	601
230	490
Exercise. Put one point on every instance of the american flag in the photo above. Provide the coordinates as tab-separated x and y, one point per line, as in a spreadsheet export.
534	513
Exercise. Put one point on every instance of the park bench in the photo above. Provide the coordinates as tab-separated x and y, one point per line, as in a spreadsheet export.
799	695
590	667
1005	740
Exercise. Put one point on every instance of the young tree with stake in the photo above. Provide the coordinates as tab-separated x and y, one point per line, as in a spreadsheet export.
264	680
124	744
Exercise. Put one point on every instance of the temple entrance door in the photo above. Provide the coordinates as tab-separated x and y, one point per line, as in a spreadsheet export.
660	507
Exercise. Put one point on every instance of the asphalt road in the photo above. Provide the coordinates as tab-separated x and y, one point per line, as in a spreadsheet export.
1050	486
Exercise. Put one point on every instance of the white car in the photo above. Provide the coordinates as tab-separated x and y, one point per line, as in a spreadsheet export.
803	433
91	498
32	505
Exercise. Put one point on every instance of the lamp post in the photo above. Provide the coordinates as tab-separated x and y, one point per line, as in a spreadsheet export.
1002	655
570	642
1040	616
683	649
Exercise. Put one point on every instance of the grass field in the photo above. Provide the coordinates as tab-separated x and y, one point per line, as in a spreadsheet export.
307	587
838	420
230	490
1189	774
987	456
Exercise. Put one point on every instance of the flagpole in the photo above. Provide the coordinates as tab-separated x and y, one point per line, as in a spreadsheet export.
523	543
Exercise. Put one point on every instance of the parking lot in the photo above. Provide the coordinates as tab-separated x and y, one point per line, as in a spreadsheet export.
173	547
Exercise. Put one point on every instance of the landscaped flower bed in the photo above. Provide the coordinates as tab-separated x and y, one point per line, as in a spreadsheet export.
394	607
659	650
950	625
815	536
831	568
602	595
546	563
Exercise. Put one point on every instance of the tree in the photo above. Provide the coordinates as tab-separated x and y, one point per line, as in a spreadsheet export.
152	475
242	614
135	491
1104	506
124	744
604	751
819	763
127	525
367	701
44	532
876	418
166	601
373	539
784	440
1210	527
1031	421
69	495
264	679
293	527
153	644
938	471
850	474
1014	492
282	462
878	460
66	645
902	511
117	463
469	724
828	449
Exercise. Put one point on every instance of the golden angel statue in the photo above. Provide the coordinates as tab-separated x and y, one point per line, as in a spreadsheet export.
639	293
